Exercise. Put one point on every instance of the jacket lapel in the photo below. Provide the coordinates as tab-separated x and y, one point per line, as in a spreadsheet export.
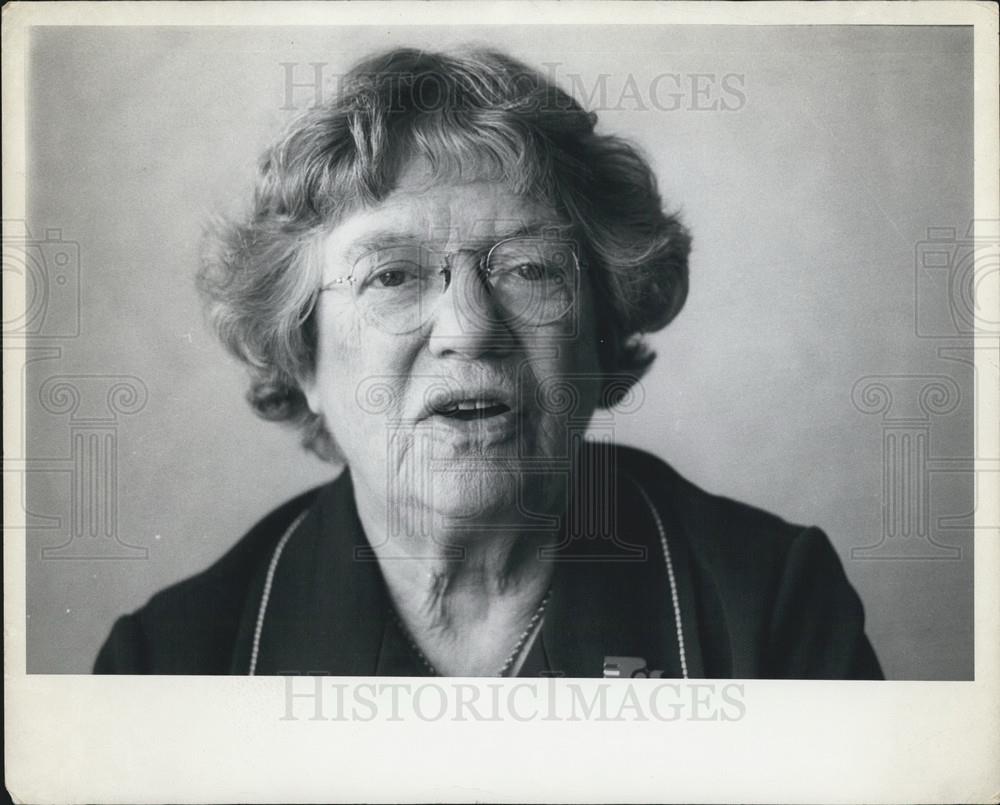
326	610
610	600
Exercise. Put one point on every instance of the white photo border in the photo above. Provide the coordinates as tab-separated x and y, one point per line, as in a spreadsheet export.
193	739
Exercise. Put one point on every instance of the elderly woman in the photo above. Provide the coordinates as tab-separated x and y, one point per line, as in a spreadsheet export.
445	273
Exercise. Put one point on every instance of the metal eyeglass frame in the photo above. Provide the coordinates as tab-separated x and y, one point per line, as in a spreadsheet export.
482	267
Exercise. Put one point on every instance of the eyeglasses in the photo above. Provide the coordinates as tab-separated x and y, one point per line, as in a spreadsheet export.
528	281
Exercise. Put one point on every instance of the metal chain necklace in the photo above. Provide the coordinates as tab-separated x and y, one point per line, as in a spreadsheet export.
511	658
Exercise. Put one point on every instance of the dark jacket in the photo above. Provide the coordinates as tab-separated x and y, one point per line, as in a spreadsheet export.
746	594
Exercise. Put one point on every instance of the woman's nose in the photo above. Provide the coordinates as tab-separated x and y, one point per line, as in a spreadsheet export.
467	321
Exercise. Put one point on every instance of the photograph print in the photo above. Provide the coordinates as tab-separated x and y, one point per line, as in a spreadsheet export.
529	351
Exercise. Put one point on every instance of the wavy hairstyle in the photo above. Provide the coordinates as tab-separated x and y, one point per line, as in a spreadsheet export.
259	277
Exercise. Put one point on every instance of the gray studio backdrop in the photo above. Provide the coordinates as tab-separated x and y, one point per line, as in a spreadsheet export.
820	369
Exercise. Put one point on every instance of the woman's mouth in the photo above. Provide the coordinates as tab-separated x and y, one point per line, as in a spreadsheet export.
465	410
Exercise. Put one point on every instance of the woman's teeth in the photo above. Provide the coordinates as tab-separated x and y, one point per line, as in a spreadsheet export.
464	409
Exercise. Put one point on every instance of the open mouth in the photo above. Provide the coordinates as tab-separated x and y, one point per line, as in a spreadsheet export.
472	409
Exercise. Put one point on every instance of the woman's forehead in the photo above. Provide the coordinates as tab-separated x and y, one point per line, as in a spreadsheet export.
440	213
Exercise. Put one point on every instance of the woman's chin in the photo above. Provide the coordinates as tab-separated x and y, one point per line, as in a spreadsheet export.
476	494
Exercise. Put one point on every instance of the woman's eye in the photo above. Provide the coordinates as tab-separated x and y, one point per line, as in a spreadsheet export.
392	277
530	271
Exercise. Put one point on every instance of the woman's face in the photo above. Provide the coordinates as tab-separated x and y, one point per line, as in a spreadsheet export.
472	411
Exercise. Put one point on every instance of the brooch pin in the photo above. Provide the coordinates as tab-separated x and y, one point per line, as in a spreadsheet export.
628	668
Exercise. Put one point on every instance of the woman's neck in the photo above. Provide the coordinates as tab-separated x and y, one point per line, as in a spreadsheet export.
465	596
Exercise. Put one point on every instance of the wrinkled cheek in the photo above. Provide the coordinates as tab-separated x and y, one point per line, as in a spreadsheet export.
371	370
360	399
386	442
